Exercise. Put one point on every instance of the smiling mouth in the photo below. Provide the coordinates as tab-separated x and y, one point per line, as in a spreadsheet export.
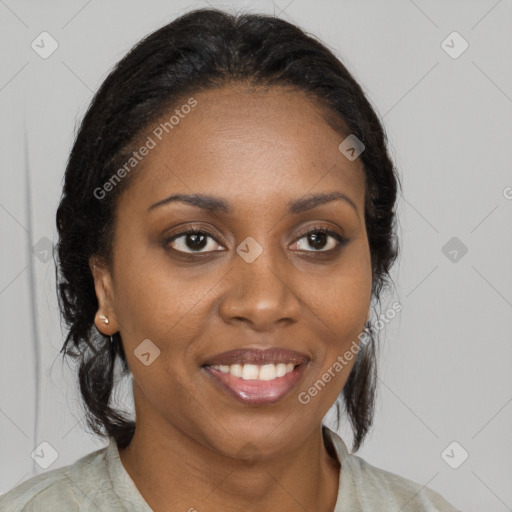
257	391
256	377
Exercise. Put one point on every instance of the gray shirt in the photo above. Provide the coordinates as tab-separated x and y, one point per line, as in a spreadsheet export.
98	482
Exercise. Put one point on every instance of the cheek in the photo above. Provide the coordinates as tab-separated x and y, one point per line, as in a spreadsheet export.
343	315
342	297
351	300
170	307
152	295
342	305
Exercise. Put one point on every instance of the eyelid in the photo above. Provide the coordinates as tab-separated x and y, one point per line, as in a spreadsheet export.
325	228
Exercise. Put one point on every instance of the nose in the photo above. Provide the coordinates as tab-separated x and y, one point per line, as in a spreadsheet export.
260	294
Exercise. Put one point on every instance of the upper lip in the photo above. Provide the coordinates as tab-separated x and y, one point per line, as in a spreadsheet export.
272	355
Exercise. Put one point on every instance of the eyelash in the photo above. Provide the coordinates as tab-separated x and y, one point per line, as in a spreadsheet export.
341	240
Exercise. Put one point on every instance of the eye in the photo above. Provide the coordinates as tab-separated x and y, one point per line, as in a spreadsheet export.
192	239
195	241
318	238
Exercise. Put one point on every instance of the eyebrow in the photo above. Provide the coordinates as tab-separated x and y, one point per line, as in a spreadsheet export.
215	204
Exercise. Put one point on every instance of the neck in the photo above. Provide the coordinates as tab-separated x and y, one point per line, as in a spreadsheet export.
304	478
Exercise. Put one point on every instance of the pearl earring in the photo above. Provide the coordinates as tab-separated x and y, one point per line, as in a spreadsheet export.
105	319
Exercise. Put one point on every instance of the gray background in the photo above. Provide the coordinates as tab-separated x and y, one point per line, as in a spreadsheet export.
445	359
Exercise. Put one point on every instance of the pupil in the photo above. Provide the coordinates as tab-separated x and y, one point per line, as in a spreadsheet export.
197	242
317	240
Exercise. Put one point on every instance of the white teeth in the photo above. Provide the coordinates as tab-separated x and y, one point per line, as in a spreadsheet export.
255	371
250	371
280	370
267	372
235	370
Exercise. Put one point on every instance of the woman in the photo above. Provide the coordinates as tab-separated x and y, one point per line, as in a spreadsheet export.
226	220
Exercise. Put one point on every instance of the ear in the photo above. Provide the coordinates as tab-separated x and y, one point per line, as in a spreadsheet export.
105	295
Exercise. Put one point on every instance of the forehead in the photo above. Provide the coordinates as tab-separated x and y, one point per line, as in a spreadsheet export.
252	143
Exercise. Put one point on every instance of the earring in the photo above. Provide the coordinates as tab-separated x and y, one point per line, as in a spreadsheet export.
105	319
111	339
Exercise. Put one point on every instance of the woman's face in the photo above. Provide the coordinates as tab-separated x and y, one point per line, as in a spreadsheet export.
252	279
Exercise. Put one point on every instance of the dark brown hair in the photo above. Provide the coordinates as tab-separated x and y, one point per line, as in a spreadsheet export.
203	49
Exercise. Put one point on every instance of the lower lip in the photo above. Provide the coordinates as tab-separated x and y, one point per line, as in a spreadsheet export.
257	392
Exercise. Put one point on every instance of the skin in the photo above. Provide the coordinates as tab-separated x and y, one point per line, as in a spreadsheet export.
256	150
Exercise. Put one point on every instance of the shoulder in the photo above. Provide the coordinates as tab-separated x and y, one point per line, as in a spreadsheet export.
82	486
41	492
368	487
401	493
